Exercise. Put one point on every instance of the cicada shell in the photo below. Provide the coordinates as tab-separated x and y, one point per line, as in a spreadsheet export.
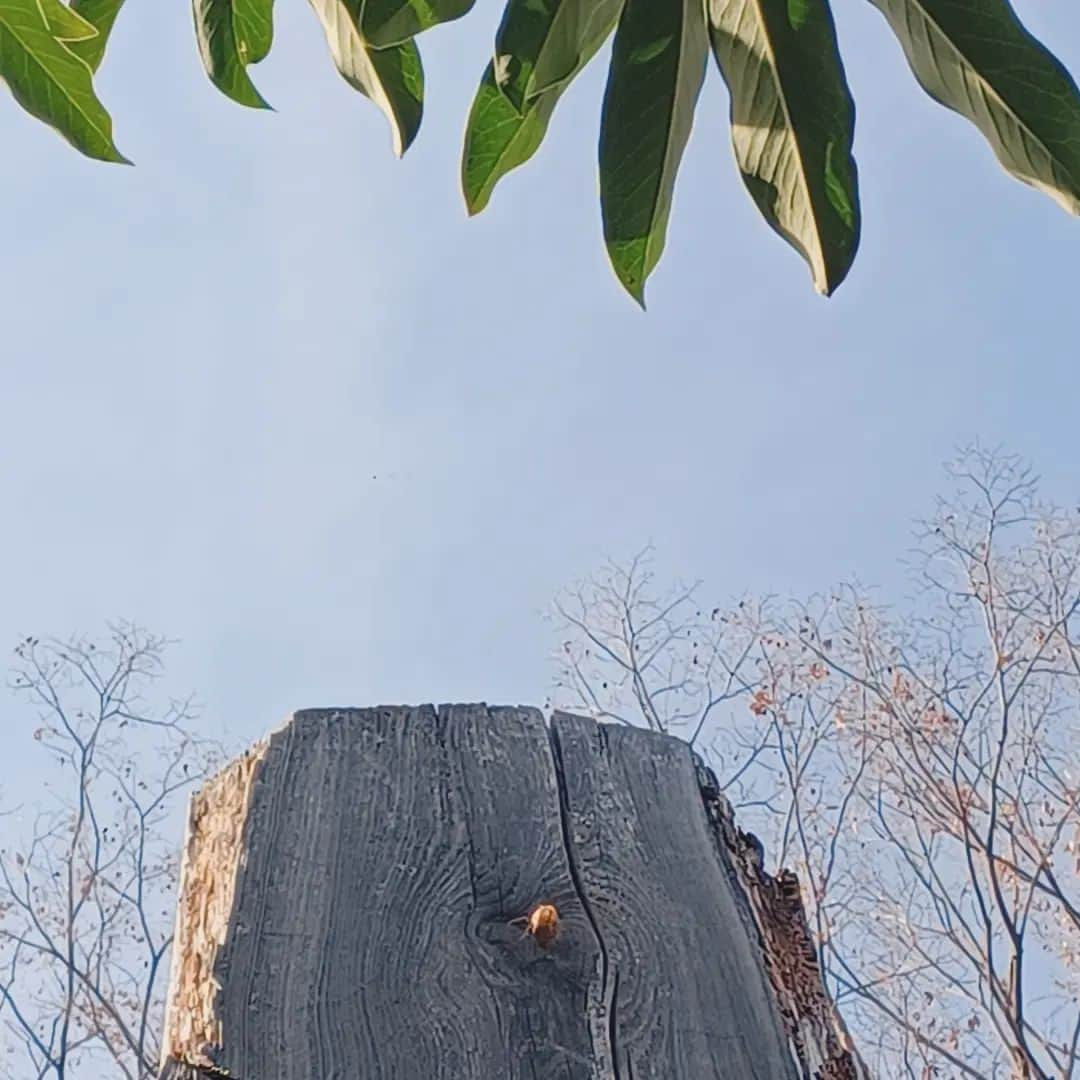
543	923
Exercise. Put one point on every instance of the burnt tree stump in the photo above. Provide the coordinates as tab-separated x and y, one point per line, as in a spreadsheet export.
350	888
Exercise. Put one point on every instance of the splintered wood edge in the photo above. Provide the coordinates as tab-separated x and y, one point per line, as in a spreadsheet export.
819	1040
211	858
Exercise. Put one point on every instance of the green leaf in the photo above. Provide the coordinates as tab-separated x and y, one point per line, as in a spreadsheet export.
542	43
391	22
393	78
101	14
48	79
975	57
657	67
499	137
65	24
792	125
233	34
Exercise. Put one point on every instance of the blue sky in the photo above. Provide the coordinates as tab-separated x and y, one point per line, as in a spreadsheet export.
272	393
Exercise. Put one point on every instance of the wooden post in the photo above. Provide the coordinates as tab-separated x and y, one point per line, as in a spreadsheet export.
350	888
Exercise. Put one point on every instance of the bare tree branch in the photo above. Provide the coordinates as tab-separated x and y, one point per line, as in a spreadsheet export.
86	899
917	769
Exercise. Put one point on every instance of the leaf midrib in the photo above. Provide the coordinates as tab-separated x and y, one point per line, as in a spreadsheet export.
983	82
781	92
669	130
51	79
340	12
528	95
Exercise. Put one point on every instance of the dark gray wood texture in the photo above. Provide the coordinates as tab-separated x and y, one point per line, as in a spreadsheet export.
385	853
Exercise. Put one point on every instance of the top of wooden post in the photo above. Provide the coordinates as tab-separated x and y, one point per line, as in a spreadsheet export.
356	891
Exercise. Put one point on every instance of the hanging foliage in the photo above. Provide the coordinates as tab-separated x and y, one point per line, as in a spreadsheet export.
792	115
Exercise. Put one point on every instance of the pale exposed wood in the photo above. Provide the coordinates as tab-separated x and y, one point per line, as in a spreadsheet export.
363	924
212	851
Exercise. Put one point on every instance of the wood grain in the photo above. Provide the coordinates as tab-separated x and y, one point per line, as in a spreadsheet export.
386	853
685	981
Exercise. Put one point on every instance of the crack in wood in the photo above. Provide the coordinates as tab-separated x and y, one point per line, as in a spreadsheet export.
604	1012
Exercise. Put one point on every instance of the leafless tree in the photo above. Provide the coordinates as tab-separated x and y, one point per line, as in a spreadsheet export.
87	889
633	655
918	767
